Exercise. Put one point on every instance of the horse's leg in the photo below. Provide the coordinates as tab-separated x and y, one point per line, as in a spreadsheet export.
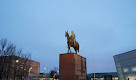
68	49
75	50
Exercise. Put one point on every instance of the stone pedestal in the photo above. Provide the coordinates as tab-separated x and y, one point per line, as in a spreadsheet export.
72	67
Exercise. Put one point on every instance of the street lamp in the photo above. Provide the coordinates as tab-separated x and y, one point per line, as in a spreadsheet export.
45	71
44	68
58	71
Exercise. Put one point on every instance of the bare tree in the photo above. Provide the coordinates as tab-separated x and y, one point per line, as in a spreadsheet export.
24	65
53	72
13	63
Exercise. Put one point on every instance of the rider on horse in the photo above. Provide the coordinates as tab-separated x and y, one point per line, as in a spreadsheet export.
71	42
73	37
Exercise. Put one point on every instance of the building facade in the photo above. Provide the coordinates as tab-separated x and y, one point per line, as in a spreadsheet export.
14	67
126	65
34	69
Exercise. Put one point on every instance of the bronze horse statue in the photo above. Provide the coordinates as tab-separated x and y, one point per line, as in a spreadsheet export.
70	43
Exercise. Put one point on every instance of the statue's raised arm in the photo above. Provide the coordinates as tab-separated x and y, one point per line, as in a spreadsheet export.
71	42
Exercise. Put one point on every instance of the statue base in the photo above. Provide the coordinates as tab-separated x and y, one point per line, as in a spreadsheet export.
72	67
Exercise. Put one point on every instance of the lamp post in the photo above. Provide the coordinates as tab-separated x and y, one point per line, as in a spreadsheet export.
93	57
58	71
94	67
45	71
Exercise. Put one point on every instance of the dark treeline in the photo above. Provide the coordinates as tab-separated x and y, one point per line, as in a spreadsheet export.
13	63
54	73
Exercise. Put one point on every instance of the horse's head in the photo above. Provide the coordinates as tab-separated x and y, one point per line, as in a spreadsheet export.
66	34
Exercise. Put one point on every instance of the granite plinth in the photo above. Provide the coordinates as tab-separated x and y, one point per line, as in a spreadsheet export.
72	67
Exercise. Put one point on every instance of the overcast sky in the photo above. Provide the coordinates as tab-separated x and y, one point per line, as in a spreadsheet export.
103	28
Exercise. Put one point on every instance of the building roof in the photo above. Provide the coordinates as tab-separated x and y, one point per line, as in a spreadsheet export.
99	75
126	52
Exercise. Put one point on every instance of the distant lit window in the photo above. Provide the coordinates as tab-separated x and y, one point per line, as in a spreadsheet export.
125	70
134	69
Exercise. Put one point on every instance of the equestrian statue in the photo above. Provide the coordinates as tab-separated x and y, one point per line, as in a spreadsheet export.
71	42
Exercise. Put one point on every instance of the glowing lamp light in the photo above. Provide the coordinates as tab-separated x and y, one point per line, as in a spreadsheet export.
44	68
17	61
